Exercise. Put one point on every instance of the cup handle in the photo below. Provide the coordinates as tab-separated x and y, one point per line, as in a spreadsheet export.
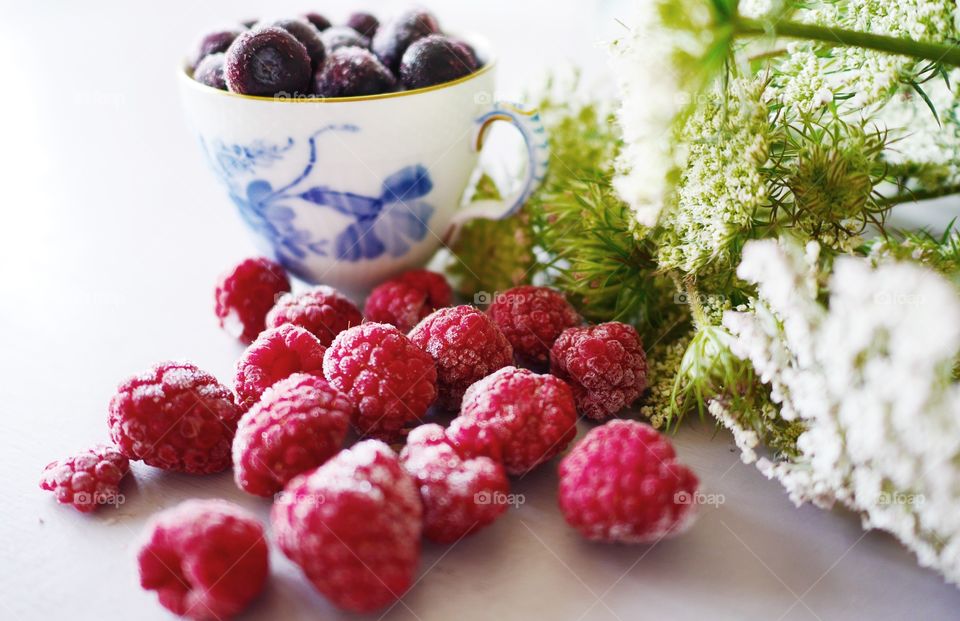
528	122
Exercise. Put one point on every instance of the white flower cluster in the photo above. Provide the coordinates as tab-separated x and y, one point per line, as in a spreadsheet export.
654	64
811	75
869	377
721	185
697	138
924	142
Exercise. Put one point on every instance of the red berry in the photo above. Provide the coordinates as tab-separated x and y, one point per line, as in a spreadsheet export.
460	496
175	417
277	354
353	526
466	345
604	364
206	559
88	479
516	416
391	380
532	318
297	424
323	311
622	483
439	293
405	300
246	294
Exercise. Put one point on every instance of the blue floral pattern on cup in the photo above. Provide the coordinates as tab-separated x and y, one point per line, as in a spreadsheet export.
389	223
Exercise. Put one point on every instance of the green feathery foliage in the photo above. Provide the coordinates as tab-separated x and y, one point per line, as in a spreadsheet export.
492	255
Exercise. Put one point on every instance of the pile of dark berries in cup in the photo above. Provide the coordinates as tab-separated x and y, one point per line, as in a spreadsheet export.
368	431
310	57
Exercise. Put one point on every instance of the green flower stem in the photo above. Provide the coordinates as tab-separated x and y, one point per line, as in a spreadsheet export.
920	195
938	53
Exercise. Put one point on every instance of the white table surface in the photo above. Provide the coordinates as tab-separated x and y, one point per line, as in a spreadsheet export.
112	234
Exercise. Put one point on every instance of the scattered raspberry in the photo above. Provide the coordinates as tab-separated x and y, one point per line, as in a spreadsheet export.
532	318
245	294
604	364
206	559
88	479
297	424
517	417
353	526
466	345
622	483
323	311
391	380
460	496
175	417
439	293
277	354
404	301
397	304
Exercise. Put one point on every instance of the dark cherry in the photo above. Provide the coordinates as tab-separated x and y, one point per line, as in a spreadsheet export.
343	36
434	60
468	50
393	38
319	22
307	34
352	72
210	71
267	61
214	43
249	23
364	23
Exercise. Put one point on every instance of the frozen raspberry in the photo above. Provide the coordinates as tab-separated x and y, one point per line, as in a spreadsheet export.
460	496
434	59
214	43
393	38
364	23
246	294
516	416
175	417
353	72
466	345
323	311
277	354
267	61
604	364
319	22
391	380
407	299
206	559
298	424
307	34
343	36
353	526
622	483
532	318
88	479
438	290
209	71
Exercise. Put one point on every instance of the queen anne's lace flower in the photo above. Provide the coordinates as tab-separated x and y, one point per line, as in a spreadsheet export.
721	183
869	377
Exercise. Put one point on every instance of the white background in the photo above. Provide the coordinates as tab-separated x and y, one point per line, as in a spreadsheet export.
111	237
